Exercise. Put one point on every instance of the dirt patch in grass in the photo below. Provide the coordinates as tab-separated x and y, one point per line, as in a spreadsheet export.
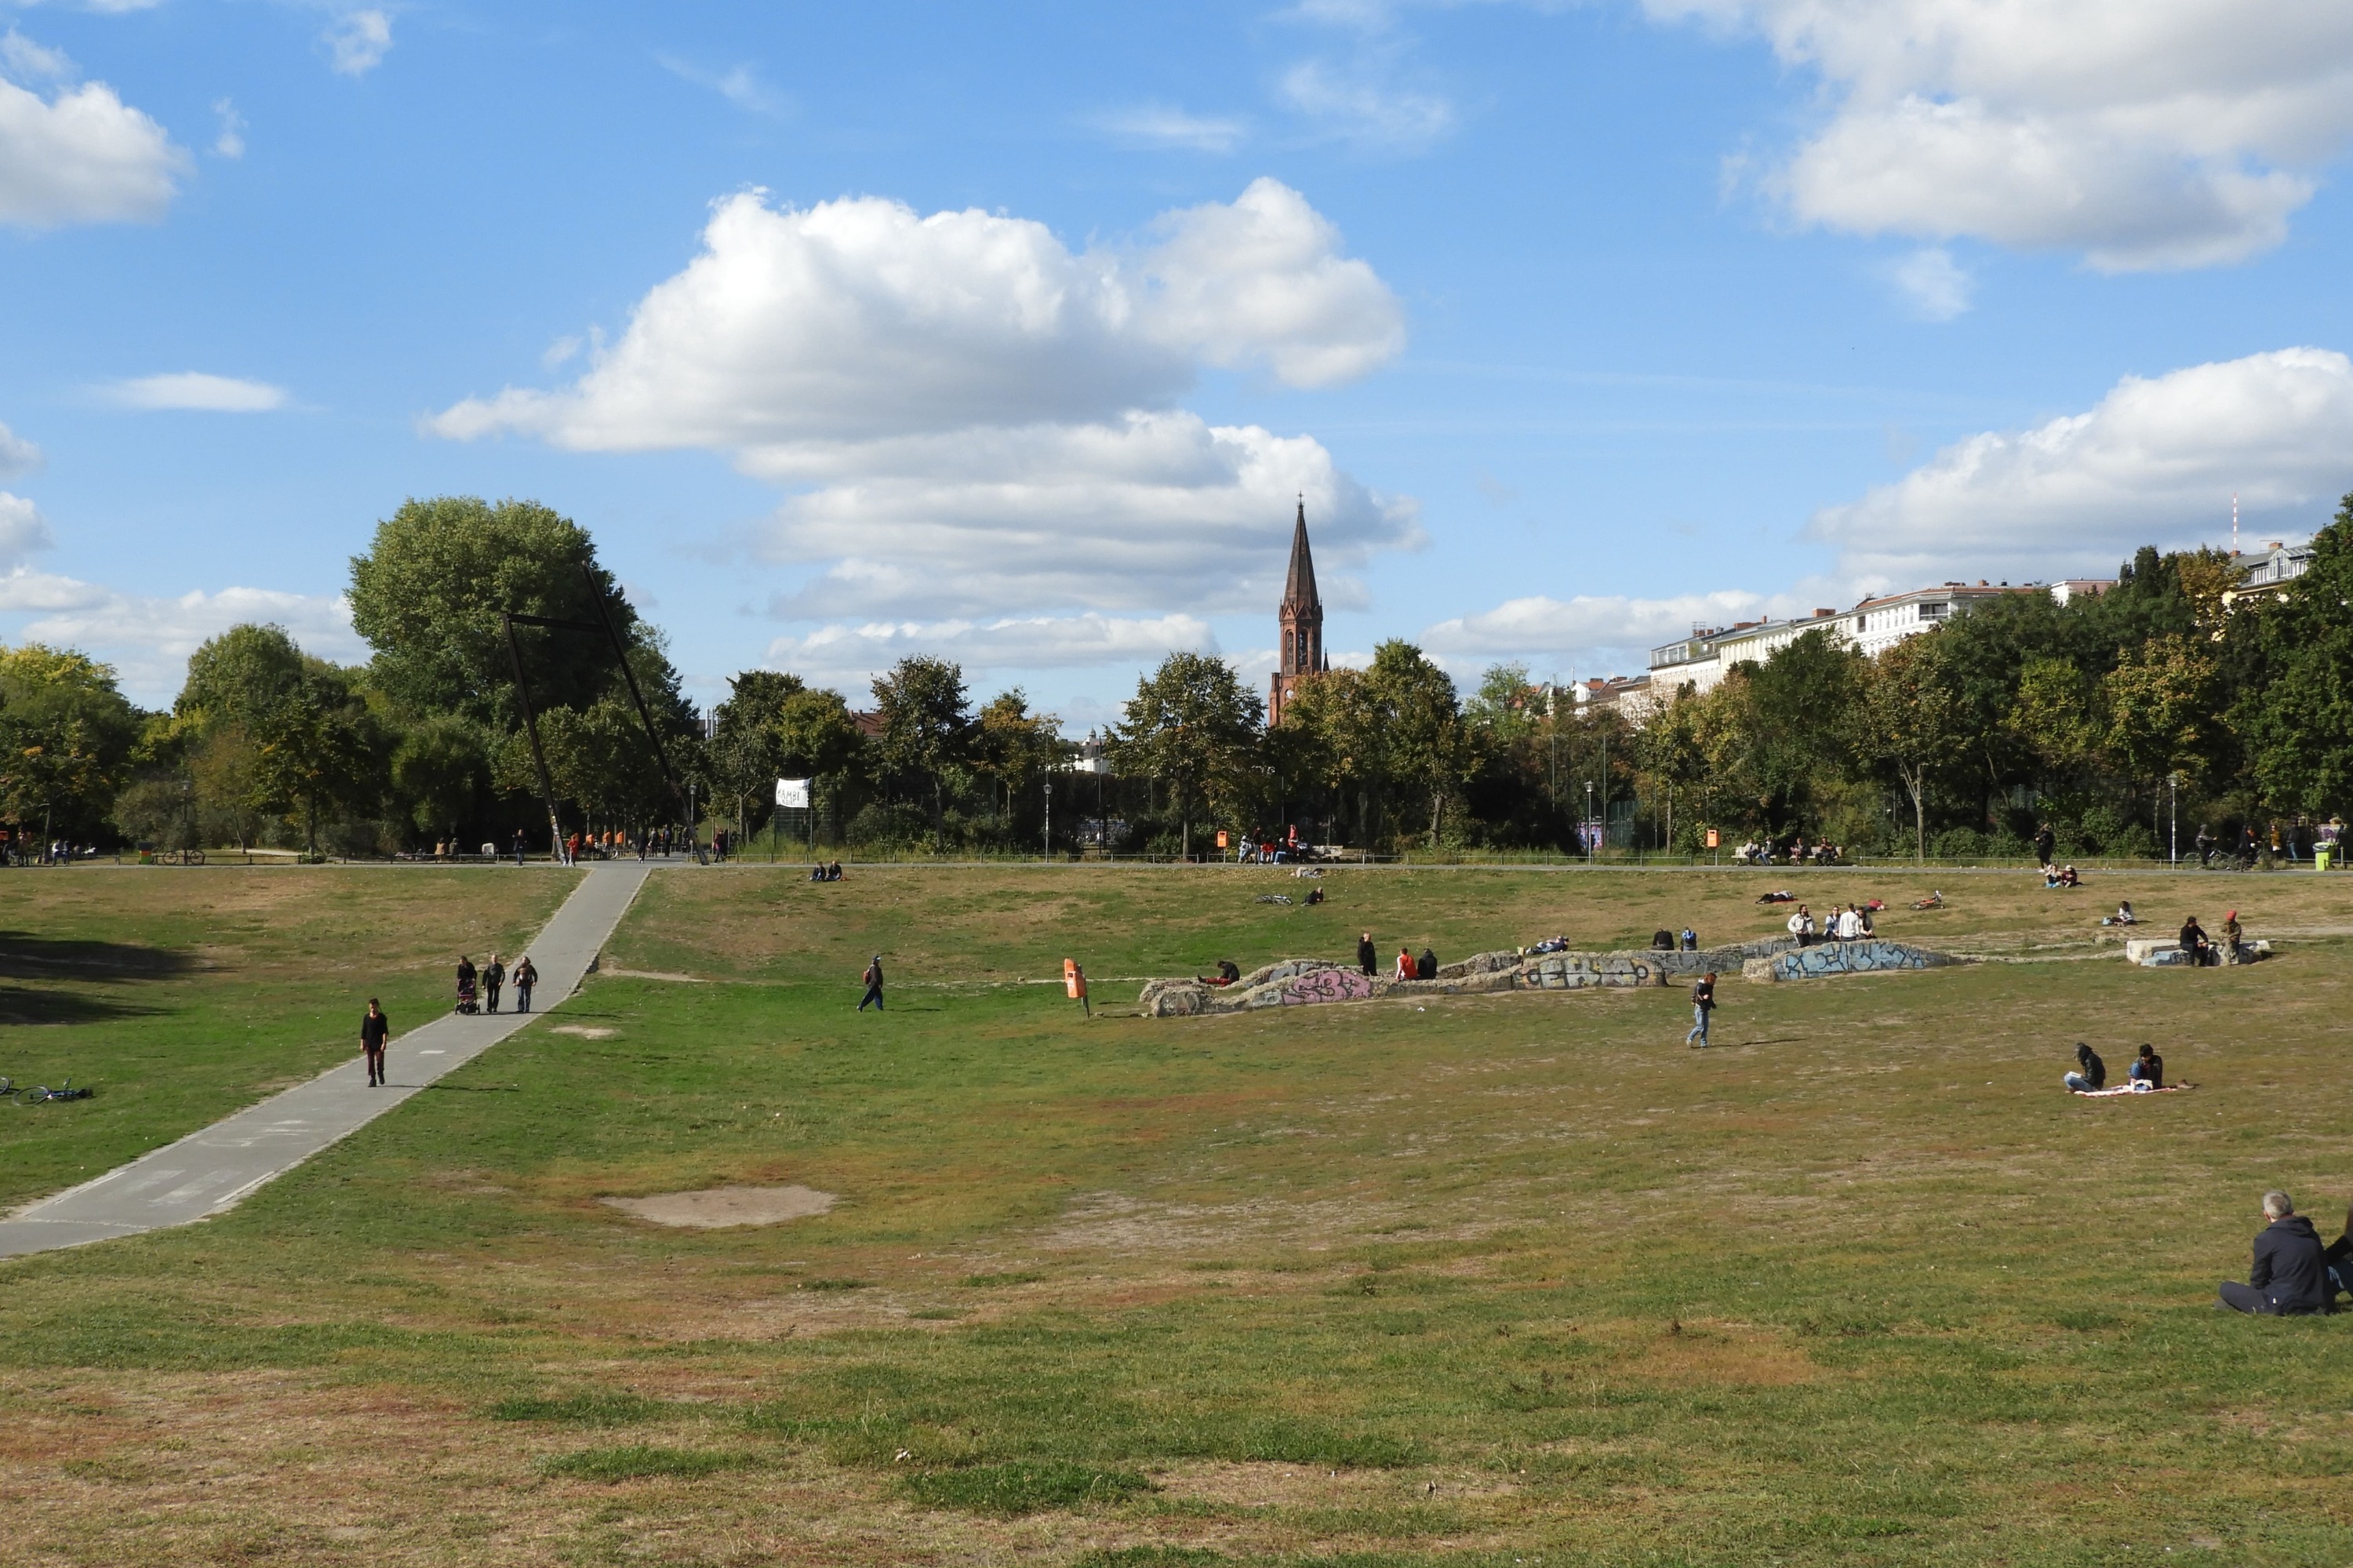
719	1207
584	1031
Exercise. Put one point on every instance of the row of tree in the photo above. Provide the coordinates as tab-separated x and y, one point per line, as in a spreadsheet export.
2102	717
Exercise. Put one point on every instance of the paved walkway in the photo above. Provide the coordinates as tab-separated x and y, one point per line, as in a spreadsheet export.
211	1169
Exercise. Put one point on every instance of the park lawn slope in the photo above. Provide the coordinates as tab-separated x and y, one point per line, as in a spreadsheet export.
182	994
1461	1280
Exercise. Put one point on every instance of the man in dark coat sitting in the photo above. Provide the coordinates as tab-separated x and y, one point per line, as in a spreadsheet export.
2290	1274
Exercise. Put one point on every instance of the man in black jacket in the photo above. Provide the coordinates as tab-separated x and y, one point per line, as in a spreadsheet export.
1367	959
2289	1277
374	1030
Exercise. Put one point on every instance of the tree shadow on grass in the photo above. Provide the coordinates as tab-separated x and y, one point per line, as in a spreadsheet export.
67	968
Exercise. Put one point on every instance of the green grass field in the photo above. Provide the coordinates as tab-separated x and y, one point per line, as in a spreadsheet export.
184	994
1464	1280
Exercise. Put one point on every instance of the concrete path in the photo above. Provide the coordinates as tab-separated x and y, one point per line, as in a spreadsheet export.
211	1169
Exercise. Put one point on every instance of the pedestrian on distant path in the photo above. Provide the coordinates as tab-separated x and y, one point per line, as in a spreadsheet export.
2290	1272
1368	959
873	985
374	1030
1702	1004
525	977
493	977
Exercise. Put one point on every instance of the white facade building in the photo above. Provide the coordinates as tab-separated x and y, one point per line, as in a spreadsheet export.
1874	626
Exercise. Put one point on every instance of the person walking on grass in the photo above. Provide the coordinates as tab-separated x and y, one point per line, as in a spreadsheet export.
873	985
525	977
1702	1004
375	1029
1368	959
493	977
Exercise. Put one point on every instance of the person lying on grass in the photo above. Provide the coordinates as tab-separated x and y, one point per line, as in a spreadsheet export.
2289	1275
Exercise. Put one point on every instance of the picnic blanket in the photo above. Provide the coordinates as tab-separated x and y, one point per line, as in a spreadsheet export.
2129	1090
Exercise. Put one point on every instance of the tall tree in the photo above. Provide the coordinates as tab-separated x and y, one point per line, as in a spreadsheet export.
1909	721
428	594
2300	720
1192	726
927	728
65	736
1427	742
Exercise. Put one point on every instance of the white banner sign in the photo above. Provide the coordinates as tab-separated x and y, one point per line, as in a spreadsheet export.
793	792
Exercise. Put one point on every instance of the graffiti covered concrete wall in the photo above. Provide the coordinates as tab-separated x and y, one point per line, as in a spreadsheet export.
1830	959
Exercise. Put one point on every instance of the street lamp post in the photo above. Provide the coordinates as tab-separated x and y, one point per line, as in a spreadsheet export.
1047	851
1589	846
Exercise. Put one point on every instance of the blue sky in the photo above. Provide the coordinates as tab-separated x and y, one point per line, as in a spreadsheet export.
1011	332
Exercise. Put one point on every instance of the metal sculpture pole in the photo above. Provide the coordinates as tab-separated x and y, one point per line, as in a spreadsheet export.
531	727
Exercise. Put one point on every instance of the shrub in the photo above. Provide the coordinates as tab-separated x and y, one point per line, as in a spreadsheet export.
1958	843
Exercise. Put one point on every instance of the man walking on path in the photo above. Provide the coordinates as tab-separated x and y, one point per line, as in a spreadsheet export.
1702	1004
873	985
525	977
1368	959
374	1030
492	979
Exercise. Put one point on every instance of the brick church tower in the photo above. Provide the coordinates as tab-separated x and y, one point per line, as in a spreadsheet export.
1302	617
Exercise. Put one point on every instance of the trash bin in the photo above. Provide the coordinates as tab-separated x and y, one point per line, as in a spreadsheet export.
2321	855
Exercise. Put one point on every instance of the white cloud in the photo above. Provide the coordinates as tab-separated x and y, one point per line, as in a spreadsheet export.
981	419
739	85
1358	103
2155	461
1933	284
848	657
193	389
23	531
23	58
1157	125
1156	509
358	41
148	639
857	319
1587	629
79	155
230	141
2141	134
18	455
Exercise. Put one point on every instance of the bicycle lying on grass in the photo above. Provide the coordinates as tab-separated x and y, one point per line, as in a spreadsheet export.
42	1093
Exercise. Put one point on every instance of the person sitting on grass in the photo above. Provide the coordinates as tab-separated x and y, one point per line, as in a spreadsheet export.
1689	940
2090	1073
2123	917
1406	968
1228	973
2070	877
2289	1275
1662	941
2149	1067
1426	966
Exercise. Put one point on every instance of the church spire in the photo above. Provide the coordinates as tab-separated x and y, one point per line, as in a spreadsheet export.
1300	619
1299	589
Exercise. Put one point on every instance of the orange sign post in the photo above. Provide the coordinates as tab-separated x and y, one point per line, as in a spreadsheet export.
1074	982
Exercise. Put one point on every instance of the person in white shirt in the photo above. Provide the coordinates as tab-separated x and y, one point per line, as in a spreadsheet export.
1801	926
1849	924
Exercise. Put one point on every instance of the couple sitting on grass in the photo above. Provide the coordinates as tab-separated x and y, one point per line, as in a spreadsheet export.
2292	1275
2146	1075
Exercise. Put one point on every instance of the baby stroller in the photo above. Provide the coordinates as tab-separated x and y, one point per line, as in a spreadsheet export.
465	1003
